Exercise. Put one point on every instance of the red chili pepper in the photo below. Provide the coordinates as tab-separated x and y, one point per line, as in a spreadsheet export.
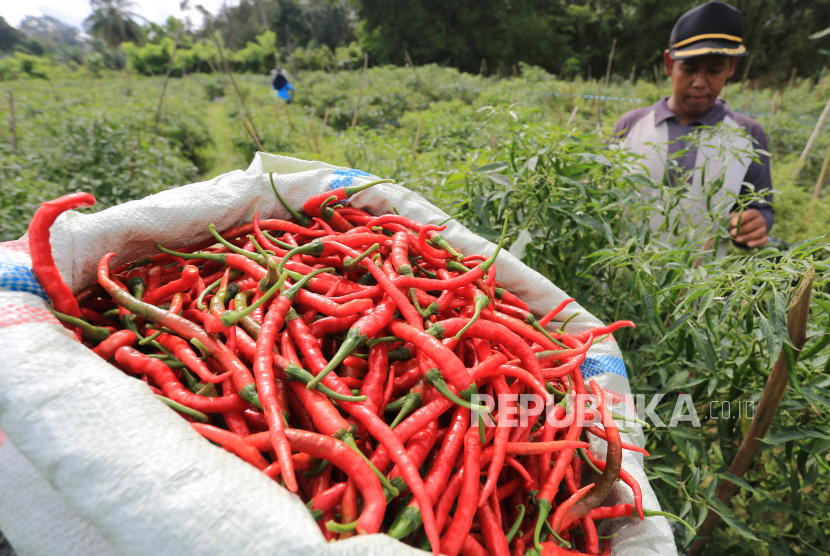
106	349
312	205
433	256
139	364
599	433
451	367
190	275
613	465
500	441
405	307
184	328
372	386
328	499
558	309
447	498
235	419
491	527
328	307
40	250
364	328
453	538
625	477
183	352
337	452
418	447
233	443
267	390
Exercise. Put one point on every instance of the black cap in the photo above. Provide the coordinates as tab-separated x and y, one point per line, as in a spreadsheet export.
713	28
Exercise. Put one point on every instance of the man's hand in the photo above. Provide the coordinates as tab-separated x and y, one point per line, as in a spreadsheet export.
753	228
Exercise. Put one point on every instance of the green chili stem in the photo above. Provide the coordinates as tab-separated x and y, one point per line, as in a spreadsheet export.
348	439
567	320
199	416
90	332
516	524
352	264
480	302
335	527
301	219
434	377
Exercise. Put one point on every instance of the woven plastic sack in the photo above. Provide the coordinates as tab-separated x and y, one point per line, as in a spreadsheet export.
94	464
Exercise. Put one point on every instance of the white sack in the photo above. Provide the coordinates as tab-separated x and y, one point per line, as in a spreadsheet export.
100	463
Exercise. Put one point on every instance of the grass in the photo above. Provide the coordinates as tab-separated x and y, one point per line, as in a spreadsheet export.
224	156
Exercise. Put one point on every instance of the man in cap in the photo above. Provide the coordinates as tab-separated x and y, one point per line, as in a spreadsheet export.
704	49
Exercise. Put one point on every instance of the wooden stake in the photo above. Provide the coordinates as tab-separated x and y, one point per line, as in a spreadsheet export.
493	143
132	159
417	139
251	133
803	158
311	130
360	92
483	69
822	179
276	110
13	122
797	314
774	103
228	72
164	85
325	123
572	116
746	72
631	78
414	70
610	59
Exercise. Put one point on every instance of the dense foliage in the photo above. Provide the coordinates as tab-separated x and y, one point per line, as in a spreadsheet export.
485	146
100	138
576	37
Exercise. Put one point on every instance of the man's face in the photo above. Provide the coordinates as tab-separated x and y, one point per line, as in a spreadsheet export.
697	82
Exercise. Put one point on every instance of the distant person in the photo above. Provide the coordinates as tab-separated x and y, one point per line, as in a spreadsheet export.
704	49
281	84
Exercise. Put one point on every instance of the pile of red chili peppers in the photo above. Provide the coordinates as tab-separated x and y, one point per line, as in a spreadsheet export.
346	355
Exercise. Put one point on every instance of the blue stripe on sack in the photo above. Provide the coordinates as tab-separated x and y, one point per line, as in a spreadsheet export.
344	179
602	364
18	277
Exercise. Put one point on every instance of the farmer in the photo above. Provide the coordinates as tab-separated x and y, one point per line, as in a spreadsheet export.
704	48
281	84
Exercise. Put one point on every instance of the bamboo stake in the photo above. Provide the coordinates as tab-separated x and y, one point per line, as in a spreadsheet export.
164	85
746	74
325	123
610	59
414	70
572	116
13	122
251	133
311	130
774	103
417	139
276	110
798	312
132	159
227	71
360	92
822	179
803	158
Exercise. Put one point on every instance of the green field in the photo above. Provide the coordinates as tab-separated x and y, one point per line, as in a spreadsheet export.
537	147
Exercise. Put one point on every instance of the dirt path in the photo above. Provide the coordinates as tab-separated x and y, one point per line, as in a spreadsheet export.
226	158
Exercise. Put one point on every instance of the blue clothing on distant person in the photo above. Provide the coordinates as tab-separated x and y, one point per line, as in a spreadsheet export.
282	86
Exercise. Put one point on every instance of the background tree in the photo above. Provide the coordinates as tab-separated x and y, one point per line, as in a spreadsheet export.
112	21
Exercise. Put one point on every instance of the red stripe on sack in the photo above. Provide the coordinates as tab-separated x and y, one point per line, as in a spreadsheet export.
22	314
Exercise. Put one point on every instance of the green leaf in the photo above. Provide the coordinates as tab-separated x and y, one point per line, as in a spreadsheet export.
769	336
730	519
704	347
648	302
820	447
675	325
500	179
738	481
778	318
727	308
797	434
492	167
522	241
823	304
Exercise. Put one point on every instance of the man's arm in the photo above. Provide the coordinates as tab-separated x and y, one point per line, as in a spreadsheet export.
759	216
